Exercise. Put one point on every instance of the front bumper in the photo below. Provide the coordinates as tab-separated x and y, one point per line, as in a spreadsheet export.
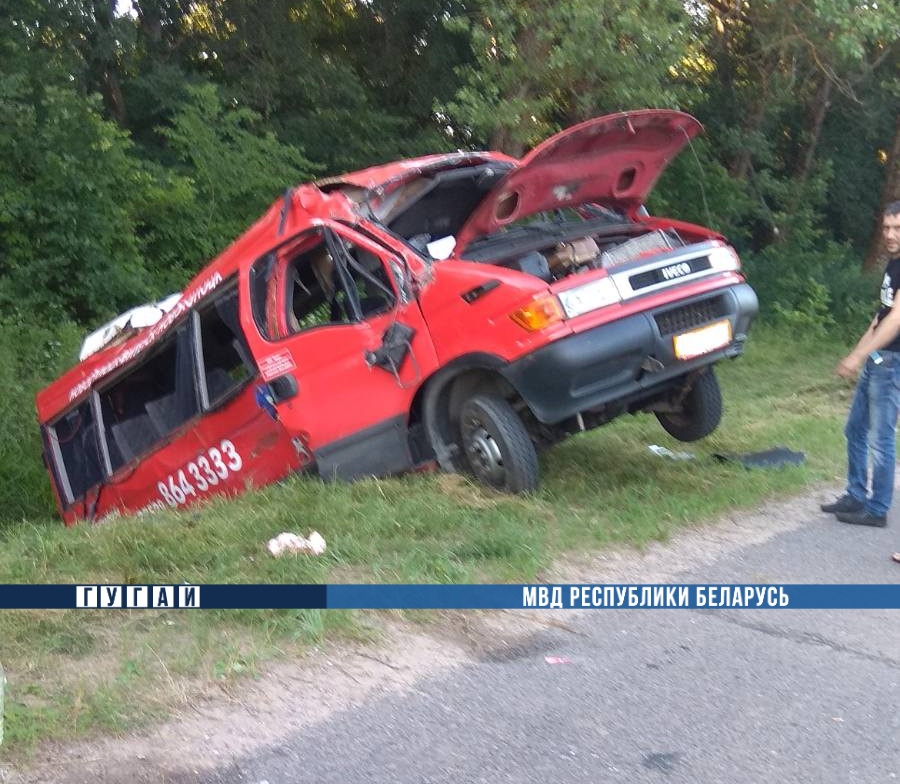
627	359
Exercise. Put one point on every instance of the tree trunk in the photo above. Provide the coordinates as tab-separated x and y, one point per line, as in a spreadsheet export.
819	110
531	52
115	99
740	164
890	191
150	21
104	61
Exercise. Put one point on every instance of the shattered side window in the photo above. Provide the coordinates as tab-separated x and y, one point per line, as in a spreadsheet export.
260	294
315	295
150	401
370	280
226	357
73	443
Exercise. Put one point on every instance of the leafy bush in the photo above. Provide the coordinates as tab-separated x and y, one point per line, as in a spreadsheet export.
234	166
696	187
813	291
67	179
30	356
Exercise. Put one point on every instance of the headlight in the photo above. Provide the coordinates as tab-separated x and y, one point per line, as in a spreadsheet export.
724	259
590	296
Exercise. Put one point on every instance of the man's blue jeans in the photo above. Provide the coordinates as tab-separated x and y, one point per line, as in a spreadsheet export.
872	430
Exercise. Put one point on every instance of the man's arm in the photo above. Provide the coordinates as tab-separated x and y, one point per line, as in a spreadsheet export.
867	334
876	336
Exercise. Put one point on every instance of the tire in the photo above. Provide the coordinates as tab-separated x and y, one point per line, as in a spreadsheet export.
497	446
701	411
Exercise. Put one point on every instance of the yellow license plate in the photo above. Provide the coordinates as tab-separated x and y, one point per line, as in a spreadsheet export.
702	341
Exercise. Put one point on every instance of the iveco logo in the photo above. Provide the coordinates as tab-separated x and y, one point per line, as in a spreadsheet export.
676	271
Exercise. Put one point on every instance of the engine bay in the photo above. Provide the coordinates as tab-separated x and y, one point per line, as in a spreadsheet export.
552	252
429	212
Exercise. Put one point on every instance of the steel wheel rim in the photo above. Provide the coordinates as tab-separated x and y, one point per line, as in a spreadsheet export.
484	453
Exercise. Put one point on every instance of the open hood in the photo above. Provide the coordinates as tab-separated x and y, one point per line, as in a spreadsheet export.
612	160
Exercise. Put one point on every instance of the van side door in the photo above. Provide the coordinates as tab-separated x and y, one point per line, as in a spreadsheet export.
343	347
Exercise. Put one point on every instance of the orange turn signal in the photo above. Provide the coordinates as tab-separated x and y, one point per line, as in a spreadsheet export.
541	312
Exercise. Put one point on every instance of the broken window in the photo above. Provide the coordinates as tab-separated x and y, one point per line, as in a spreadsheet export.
140	409
226	358
440	206
335	283
315	296
146	403
261	292
369	280
73	444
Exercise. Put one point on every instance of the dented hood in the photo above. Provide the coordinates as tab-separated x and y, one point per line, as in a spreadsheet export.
612	160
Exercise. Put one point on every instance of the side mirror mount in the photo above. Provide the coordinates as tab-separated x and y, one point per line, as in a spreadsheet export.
395	345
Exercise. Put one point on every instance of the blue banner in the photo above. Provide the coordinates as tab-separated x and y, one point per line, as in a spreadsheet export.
456	597
161	597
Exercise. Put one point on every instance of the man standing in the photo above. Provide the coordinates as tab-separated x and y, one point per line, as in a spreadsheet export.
872	422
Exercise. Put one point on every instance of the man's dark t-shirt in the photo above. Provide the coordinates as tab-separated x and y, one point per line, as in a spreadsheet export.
889	287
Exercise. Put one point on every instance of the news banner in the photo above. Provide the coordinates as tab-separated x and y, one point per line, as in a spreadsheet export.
450	597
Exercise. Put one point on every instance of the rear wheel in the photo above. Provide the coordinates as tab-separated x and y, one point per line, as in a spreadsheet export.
700	411
497	445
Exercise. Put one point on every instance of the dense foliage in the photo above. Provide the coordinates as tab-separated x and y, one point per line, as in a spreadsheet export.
139	139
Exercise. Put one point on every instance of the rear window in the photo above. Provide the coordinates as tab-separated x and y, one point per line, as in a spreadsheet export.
72	440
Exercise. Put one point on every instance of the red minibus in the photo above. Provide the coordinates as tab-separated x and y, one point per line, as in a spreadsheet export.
463	310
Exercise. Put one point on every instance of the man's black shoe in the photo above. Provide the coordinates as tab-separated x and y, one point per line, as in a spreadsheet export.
862	518
846	503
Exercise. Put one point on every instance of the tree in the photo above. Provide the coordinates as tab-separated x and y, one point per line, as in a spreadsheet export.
351	83
229	168
779	69
890	192
103	55
67	180
543	65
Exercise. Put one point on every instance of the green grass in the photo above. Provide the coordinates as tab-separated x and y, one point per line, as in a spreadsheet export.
72	672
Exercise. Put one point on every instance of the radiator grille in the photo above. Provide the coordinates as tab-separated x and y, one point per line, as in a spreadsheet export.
686	317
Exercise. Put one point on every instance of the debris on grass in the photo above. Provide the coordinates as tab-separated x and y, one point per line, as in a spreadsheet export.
661	451
287	542
777	457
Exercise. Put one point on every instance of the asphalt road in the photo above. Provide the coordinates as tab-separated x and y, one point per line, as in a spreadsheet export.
646	695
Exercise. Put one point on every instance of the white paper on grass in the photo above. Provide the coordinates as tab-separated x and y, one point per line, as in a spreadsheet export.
661	451
288	542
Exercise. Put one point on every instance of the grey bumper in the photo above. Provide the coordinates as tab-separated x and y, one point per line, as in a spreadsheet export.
629	358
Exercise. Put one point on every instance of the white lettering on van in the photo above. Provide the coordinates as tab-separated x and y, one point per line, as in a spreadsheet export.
202	473
184	304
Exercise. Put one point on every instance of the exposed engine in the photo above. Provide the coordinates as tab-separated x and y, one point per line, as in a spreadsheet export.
571	256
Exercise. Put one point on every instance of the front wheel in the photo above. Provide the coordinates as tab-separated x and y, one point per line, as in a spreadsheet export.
700	411
497	445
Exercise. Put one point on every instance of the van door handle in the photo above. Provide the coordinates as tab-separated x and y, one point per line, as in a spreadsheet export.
278	389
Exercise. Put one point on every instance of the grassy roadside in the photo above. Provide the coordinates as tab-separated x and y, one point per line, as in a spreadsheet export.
72	673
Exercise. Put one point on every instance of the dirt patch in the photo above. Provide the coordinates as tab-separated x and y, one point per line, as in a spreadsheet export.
207	733
292	695
695	547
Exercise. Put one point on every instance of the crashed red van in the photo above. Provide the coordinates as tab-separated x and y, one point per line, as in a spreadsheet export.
463	310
